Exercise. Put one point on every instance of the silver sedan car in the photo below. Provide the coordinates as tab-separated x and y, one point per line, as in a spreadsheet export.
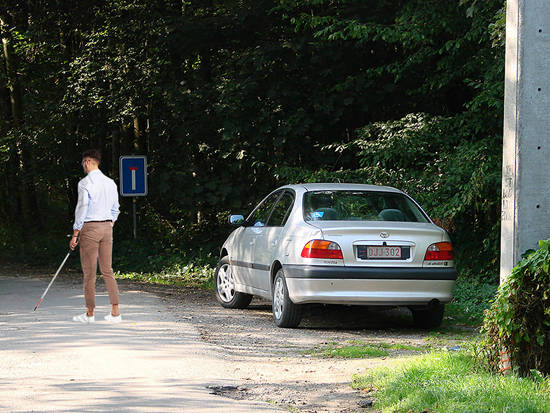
337	244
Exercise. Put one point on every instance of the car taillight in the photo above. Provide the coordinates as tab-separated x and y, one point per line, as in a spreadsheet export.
318	248
440	251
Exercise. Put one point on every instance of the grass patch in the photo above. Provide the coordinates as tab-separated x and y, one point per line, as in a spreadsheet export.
447	382
354	352
445	337
190	275
390	346
355	349
405	347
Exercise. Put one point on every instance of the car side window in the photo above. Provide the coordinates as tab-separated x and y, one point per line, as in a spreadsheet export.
259	216
281	212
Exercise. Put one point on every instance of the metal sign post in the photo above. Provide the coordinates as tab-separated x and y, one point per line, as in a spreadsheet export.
133	180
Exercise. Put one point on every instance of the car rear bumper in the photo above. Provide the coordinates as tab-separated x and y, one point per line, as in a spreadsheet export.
368	285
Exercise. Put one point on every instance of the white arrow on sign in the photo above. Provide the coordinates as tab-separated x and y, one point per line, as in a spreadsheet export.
133	169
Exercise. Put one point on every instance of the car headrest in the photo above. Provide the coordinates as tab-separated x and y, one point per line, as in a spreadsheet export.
391	215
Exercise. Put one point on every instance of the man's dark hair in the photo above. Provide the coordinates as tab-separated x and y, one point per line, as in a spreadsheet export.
92	153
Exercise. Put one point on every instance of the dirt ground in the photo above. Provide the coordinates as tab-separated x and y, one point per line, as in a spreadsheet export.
275	365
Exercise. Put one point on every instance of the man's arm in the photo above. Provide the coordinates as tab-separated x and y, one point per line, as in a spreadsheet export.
79	213
81	208
115	207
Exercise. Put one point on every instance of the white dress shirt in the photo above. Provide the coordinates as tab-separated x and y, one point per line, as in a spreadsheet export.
97	199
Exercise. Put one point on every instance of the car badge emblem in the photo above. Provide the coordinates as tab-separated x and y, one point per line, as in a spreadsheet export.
384	235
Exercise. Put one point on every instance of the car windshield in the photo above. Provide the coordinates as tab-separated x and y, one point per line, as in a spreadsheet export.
360	206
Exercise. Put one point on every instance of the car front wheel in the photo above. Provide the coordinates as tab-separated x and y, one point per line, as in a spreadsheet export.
286	314
225	287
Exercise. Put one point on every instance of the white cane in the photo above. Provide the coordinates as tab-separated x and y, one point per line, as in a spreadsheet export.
53	279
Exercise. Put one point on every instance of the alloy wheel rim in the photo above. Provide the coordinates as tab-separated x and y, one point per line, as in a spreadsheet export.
226	283
278	298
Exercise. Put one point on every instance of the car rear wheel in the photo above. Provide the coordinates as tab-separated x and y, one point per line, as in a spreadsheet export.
225	287
430	317
286	314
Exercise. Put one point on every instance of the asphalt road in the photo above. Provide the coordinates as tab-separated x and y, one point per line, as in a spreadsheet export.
149	362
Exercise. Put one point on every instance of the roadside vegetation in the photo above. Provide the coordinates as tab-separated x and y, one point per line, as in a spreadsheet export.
155	265
190	276
356	349
518	323
505	368
456	382
471	297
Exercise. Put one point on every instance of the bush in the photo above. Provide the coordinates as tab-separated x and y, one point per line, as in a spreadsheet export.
471	297
189	275
519	318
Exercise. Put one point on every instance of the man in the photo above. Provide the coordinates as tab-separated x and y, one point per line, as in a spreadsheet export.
95	215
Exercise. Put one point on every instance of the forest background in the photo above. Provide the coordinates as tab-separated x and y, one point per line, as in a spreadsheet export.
230	99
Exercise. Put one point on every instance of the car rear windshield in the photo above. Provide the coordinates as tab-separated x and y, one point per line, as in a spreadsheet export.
360	206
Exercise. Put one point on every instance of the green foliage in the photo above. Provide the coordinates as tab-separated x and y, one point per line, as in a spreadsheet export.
519	318
48	249
451	382
151	262
189	275
471	297
353	351
230	99
142	255
401	346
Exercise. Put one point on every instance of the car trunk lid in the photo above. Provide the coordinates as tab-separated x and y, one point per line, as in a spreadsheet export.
381	243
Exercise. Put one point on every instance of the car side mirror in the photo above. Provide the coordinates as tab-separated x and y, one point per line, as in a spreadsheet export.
236	220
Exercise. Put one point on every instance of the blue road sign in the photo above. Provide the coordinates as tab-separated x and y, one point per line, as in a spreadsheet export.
133	175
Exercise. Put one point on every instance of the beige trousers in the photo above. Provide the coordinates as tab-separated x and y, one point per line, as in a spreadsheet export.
96	241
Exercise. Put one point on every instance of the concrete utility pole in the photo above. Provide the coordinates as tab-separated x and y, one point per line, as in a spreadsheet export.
526	152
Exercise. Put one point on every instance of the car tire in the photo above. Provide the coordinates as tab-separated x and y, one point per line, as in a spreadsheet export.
286	314
225	287
428	318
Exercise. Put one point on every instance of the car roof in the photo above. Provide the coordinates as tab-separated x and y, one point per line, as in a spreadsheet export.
341	187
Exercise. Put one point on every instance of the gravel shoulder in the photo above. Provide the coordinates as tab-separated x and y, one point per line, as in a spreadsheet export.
277	365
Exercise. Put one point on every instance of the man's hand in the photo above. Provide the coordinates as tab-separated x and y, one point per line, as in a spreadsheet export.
74	242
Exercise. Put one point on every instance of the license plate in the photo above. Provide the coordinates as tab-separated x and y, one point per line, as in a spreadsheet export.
373	252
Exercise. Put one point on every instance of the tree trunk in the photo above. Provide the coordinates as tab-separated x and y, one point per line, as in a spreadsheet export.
12	83
137	134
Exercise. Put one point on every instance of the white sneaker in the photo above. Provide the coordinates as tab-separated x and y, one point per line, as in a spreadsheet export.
83	318
113	319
